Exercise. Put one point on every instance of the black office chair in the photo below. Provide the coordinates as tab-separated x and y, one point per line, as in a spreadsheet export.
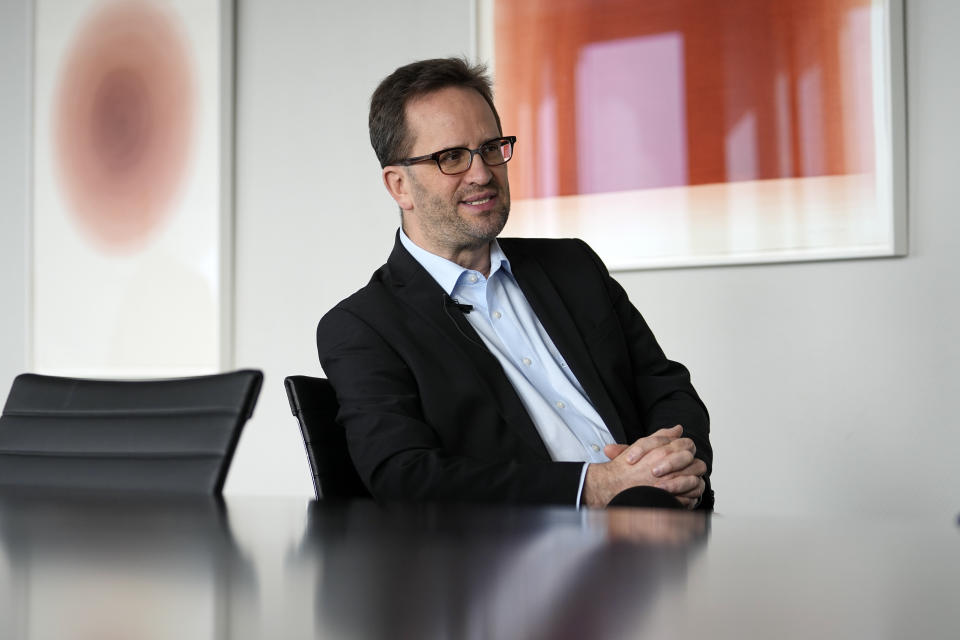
314	403
166	436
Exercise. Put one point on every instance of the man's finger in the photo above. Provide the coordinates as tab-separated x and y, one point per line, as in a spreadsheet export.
682	486
697	467
673	462
668	448
613	450
645	445
692	498
671	432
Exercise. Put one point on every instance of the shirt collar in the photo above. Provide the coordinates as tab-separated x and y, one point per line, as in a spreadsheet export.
447	273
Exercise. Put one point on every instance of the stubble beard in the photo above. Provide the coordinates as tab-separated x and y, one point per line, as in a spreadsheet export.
448	228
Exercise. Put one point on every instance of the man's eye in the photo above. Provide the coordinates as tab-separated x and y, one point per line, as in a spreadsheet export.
454	155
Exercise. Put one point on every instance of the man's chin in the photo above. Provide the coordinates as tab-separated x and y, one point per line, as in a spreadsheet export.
495	226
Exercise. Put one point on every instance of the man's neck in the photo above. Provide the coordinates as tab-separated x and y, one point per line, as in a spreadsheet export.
476	258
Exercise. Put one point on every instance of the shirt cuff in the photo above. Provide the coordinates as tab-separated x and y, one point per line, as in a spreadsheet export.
583	478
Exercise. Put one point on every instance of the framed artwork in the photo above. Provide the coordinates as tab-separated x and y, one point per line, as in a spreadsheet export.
676	133
132	167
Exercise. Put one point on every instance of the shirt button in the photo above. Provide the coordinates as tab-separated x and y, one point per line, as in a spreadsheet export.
595	447
560	404
473	277
496	314
527	361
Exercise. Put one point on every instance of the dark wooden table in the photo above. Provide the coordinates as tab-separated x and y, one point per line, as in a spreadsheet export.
281	568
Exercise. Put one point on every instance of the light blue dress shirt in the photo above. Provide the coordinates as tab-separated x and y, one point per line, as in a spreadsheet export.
569	426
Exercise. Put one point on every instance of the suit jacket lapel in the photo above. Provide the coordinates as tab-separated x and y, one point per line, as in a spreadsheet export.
556	319
412	284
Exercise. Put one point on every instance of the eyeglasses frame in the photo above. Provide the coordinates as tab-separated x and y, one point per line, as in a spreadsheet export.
435	156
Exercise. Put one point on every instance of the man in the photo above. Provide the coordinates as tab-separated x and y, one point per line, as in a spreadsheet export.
511	370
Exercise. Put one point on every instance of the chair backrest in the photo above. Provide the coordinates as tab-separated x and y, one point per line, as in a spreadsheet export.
165	436
314	403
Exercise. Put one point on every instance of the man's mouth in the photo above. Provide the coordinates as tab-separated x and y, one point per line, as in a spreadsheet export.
479	199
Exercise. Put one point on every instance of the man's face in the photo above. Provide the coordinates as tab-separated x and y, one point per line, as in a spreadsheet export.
467	210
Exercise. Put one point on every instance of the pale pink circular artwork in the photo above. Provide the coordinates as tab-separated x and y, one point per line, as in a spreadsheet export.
123	122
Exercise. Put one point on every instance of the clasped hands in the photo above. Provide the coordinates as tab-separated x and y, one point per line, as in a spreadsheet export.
663	459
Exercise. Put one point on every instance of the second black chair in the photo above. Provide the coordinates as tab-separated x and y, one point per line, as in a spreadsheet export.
165	436
314	403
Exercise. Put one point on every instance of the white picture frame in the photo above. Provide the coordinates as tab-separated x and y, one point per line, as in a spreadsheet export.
139	294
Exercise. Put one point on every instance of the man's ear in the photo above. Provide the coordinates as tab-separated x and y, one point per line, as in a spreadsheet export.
398	186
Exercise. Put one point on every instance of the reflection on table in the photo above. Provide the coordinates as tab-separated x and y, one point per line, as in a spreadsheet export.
110	567
493	572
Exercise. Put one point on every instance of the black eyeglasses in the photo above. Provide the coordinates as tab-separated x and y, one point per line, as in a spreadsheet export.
458	159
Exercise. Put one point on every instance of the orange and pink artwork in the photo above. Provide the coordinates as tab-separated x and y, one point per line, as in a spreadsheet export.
696	132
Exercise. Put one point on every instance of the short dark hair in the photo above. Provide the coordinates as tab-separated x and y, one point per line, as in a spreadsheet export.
387	121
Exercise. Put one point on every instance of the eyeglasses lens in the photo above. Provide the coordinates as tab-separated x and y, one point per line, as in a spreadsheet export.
495	152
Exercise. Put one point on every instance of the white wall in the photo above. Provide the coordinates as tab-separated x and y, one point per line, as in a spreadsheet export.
15	56
830	384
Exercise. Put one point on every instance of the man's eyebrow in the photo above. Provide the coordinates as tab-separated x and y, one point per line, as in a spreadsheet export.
468	145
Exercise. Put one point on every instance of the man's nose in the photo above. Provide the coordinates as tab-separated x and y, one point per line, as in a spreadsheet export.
479	172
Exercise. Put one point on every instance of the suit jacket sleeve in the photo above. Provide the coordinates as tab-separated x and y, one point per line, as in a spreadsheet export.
403	454
664	394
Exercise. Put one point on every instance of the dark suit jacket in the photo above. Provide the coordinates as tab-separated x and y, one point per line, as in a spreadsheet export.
428	411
